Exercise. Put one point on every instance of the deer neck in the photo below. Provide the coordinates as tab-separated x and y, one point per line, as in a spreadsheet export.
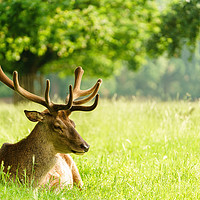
40	146
35	154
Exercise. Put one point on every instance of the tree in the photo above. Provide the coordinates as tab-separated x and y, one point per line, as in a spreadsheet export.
163	78
98	34
179	26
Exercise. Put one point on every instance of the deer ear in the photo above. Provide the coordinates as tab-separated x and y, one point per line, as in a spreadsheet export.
34	116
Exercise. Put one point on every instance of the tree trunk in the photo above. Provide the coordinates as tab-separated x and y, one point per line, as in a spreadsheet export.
28	66
32	83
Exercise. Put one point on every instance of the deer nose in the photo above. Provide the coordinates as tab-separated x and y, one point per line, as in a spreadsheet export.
85	147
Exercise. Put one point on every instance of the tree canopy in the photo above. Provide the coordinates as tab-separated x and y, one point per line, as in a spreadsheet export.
178	27
100	35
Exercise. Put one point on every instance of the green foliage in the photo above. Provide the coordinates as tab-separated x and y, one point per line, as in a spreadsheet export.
179	26
138	150
163	79
15	17
99	35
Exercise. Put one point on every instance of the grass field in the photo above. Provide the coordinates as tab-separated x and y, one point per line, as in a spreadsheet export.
139	150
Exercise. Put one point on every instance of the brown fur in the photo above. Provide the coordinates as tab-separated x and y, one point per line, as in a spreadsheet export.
41	155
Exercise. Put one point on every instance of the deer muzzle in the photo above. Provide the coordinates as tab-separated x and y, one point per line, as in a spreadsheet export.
85	147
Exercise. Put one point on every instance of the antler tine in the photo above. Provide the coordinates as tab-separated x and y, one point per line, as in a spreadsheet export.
86	108
15	86
26	94
94	91
47	97
48	102
37	99
77	83
5	79
69	104
77	92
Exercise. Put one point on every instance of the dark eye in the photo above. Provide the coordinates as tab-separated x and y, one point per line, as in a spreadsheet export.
57	127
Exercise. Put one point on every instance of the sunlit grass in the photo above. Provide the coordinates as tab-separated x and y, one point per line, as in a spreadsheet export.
139	150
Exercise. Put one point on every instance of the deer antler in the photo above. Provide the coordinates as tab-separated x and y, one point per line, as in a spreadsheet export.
74	93
77	92
32	97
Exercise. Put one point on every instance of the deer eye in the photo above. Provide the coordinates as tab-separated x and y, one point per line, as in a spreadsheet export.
57	127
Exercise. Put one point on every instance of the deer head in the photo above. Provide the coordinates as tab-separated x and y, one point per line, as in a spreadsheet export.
54	122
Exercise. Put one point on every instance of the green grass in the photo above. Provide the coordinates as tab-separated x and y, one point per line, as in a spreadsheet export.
139	150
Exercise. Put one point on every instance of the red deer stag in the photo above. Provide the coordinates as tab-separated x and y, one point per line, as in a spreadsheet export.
43	155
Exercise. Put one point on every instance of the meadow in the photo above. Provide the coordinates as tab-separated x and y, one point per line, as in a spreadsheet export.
138	150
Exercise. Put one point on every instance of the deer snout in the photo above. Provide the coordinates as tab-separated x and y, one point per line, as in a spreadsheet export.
85	147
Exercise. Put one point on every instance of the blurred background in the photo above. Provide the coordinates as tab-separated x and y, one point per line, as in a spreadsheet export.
148	49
